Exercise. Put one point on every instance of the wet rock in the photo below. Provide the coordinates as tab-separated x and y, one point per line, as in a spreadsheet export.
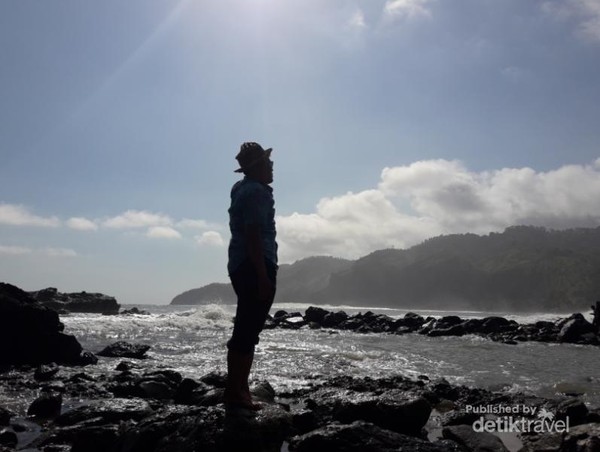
174	427
31	333
334	319
315	314
574	328
110	411
574	409
47	405
261	433
46	372
459	417
8	438
76	302
582	438
454	330
263	392
126	366
474	441
360	436
392	409
190	392
122	349
216	379
5	416
135	311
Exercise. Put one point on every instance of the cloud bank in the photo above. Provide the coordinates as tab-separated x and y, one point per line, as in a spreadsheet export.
427	198
18	215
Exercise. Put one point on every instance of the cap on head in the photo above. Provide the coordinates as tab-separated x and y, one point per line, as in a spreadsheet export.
250	154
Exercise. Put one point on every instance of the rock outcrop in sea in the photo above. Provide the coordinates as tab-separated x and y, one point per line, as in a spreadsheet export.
31	333
574	329
76	301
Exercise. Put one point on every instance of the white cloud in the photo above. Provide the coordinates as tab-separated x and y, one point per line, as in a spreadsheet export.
193	224
58	252
406	9
17	215
357	20
585	12
137	219
81	224
14	250
49	252
163	232
428	198
211	238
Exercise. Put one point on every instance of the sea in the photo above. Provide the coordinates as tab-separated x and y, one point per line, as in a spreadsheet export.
192	340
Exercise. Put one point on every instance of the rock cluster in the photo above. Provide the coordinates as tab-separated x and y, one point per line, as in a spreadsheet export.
140	406
574	329
76	302
33	334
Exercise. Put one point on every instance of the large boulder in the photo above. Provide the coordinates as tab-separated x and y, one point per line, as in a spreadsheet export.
360	436
31	333
76	302
574	328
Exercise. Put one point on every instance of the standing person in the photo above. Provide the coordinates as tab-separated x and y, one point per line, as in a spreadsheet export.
252	266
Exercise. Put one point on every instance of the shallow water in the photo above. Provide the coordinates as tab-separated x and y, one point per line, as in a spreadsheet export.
192	341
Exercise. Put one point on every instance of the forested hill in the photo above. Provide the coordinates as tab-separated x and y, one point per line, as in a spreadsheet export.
521	269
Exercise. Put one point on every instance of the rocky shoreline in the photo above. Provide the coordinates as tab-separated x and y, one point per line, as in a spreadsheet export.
141	406
61	400
574	329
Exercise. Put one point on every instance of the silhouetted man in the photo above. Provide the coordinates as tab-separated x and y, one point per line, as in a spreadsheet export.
252	266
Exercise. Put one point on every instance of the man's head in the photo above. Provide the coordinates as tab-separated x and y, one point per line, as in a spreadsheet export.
255	162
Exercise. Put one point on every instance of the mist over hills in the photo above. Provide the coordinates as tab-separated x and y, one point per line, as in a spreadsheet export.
523	268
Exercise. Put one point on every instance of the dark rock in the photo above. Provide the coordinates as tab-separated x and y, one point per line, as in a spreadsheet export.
459	417
100	438
47	405
472	440
280	313
496	325
110	411
265	432
333	319
573	329
216	379
454	330
314	314
263	392
190	392
574	409
8	438
76	302
582	438
360	436
126	366
31	333
46	372
122	349
304	421
5	416
413	320
156	389
391	409
133	311
174	427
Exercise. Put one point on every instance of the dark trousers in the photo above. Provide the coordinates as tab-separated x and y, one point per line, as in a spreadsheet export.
251	312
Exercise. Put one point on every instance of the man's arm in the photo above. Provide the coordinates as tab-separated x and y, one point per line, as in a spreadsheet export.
257	258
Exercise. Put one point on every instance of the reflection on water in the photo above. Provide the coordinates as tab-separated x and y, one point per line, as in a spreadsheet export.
192	340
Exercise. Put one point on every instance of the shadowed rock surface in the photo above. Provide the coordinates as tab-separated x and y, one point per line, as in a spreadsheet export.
76	302
32	334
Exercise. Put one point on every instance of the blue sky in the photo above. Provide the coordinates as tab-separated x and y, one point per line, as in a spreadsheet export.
391	121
